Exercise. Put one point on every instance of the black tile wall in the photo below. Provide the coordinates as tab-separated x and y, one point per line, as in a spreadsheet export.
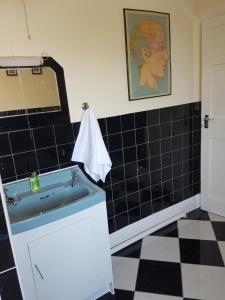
47	157
113	125
64	134
5	146
9	286
25	162
155	156
127	122
6	257
156	161
21	141
44	137
41	149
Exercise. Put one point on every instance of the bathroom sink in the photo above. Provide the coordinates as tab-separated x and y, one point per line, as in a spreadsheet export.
30	204
58	198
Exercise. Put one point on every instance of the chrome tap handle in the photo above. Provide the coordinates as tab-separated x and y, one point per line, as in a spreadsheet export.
74	177
5	191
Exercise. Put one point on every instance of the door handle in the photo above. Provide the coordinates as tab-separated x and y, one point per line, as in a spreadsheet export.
206	121
39	272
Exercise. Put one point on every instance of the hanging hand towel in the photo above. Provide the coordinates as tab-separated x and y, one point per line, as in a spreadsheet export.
90	148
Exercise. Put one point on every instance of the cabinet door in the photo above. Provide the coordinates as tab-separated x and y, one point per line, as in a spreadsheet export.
63	264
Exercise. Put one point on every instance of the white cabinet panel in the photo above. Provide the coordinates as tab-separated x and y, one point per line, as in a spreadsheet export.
66	259
62	263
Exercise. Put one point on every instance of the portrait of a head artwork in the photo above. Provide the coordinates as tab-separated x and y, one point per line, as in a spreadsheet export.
148	56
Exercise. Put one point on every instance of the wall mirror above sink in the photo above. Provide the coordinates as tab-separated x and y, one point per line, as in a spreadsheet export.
32	94
28	90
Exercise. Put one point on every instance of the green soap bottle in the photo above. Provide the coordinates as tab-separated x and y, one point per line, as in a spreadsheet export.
34	183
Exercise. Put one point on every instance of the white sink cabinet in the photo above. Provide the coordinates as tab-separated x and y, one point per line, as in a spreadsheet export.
68	259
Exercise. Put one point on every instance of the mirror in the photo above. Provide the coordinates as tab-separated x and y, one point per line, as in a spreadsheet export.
28	90
33	96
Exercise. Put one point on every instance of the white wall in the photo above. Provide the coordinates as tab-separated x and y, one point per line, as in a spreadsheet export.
193	5
207	8
87	38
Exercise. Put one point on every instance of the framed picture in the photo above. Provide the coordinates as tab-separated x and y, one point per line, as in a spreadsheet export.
147	37
37	71
11	72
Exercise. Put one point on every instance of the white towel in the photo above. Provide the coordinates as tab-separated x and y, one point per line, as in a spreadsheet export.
90	148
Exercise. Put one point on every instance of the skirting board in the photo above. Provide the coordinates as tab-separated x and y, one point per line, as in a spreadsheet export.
136	231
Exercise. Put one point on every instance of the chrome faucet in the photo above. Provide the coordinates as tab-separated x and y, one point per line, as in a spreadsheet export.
9	200
74	177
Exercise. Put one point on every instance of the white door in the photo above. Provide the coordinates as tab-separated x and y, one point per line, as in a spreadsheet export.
213	104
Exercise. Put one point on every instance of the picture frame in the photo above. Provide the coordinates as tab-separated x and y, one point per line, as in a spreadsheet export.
148	53
37	71
12	72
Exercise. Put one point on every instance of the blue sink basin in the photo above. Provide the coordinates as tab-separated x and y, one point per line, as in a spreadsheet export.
30	204
57	199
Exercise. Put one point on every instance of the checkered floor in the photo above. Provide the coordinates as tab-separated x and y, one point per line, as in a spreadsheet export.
184	260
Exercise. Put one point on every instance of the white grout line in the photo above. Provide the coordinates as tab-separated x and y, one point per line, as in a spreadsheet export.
14	165
2	272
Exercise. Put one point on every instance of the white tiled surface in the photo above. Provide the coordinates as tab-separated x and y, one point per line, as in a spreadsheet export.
190	229
185	261
125	272
203	282
222	250
148	296
160	248
216	218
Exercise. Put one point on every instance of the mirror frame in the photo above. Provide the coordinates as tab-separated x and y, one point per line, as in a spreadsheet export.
41	119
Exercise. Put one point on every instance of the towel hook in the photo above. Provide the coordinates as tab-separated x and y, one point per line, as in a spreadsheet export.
85	106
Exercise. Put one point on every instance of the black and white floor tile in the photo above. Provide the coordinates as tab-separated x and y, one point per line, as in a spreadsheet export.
184	260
